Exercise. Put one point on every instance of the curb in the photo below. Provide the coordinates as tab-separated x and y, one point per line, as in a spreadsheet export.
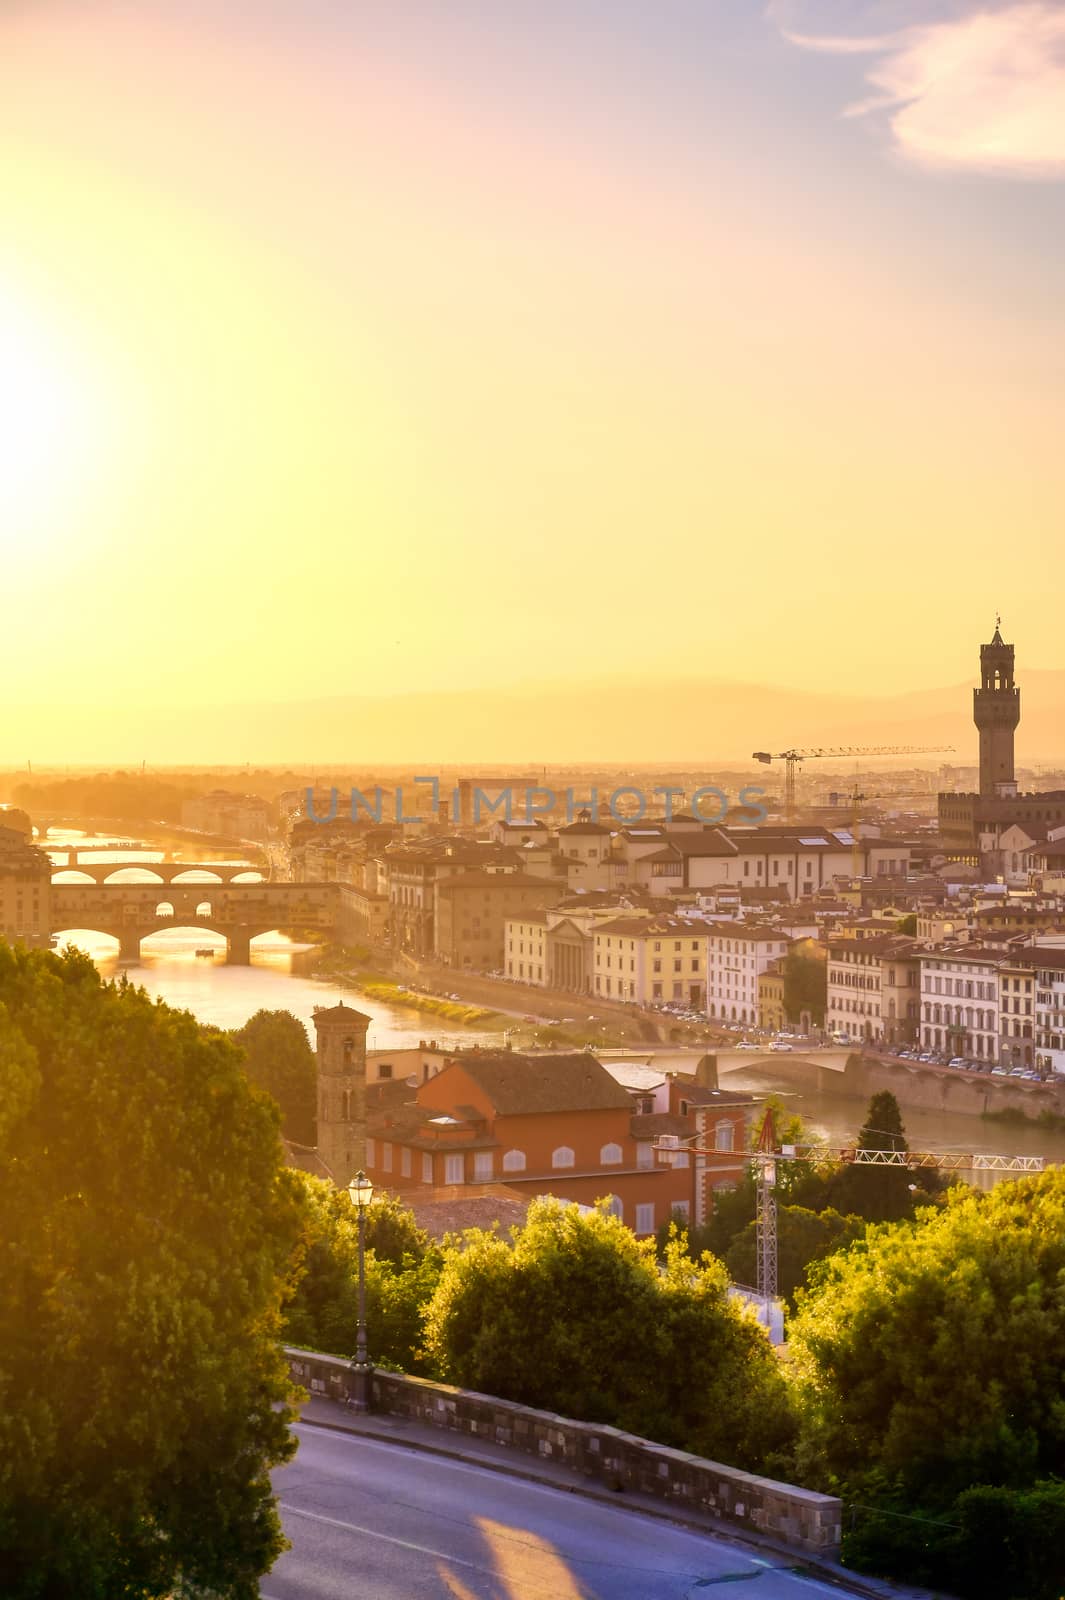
792	1560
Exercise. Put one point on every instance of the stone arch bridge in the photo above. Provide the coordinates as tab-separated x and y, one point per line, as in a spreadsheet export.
240	912
200	874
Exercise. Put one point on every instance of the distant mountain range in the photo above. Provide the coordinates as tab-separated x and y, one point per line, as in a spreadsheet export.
621	722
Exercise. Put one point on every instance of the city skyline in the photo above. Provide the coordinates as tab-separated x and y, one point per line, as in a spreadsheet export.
368	353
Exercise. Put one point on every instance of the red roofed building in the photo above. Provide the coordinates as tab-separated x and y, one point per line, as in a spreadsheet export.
558	1125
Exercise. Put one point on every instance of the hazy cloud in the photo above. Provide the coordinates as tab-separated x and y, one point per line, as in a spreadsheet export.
963	85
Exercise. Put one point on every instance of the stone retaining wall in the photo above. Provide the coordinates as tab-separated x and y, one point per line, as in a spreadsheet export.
797	1517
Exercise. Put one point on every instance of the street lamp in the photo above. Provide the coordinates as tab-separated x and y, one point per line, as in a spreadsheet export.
360	1190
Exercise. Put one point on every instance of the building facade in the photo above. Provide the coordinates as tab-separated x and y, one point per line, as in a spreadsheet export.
737	955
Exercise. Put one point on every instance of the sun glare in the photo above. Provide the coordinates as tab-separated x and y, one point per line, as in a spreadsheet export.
50	420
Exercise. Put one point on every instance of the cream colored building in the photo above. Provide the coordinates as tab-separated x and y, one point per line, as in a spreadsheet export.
650	960
737	955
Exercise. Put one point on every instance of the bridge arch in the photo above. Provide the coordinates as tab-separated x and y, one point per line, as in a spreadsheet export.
74	876
117	874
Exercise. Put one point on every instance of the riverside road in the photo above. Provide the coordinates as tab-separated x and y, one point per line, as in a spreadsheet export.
378	1521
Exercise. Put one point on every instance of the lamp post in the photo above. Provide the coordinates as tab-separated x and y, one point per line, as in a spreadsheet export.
360	1189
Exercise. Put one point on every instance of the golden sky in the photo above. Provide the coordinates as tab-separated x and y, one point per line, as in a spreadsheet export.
391	347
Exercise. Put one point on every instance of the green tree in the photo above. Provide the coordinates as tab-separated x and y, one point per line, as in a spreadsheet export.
907	924
805	987
402	1268
148	1229
803	1237
883	1194
574	1315
931	1355
278	1058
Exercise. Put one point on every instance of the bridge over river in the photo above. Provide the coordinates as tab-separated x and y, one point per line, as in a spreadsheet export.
238	911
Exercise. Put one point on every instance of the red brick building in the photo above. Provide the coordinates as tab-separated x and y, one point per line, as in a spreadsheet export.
557	1125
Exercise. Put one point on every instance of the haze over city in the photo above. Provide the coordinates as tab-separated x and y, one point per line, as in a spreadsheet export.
378	350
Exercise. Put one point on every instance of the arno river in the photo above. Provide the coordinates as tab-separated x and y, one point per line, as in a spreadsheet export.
278	979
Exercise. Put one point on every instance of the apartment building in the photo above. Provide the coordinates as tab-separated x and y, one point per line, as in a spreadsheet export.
649	959
737	955
25	890
547	1124
873	988
470	912
960	1001
1049	967
561	1125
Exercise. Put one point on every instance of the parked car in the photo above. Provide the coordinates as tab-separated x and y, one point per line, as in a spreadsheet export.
957	1061
778	1044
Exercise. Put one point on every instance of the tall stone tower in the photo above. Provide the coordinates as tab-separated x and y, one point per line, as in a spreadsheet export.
341	1032
996	712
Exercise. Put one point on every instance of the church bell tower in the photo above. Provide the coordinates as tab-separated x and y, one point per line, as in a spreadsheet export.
996	712
341	1032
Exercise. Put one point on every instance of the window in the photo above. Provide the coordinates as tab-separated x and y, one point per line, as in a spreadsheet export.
610	1155
404	1161
454	1169
681	1209
614	1207
645	1156
645	1219
514	1161
427	1168
562	1157
384	1070
371	1153
723	1136
482	1166
386	1157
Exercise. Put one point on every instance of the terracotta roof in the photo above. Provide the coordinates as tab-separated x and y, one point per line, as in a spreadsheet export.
519	1085
441	1212
341	1013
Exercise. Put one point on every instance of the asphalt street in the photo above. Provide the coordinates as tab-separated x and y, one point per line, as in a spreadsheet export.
374	1521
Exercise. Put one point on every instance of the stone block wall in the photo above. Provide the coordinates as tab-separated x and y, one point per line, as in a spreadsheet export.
794	1516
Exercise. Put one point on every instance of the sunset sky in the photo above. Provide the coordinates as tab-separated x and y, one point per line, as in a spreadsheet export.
381	346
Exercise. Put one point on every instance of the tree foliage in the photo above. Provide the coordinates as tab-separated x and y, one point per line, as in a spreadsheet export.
931	1356
279	1058
803	1237
147	1231
574	1315
805	987
402	1268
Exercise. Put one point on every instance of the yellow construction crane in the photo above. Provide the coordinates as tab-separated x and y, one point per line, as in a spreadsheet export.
791	759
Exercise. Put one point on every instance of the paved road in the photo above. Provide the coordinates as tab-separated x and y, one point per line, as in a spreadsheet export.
373	1521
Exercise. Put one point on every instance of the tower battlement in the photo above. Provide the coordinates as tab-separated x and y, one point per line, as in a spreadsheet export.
996	712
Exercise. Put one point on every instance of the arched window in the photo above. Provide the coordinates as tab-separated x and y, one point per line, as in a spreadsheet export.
724	1134
610	1155
614	1207
562	1157
514	1161
204	908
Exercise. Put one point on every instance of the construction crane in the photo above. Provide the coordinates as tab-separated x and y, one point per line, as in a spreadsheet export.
791	759
768	1154
856	800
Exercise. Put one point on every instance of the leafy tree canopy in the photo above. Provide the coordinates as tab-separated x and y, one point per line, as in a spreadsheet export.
805	987
931	1356
147	1232
575	1316
402	1268
279	1058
